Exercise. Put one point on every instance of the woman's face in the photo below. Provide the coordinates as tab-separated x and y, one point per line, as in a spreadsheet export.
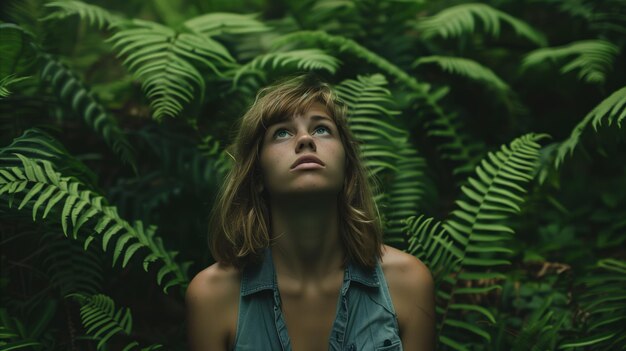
313	134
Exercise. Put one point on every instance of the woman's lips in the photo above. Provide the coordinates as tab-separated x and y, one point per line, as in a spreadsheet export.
307	165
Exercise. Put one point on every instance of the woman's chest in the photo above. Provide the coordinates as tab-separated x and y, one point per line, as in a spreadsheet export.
309	320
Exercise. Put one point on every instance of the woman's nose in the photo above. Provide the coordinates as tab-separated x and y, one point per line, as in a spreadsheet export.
305	141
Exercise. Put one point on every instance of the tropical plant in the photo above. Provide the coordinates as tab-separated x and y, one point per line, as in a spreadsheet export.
472	119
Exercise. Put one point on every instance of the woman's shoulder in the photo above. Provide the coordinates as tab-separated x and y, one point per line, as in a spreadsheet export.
402	265
412	292
409	279
216	282
214	291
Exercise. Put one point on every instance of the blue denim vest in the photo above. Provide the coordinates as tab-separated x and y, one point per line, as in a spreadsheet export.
365	318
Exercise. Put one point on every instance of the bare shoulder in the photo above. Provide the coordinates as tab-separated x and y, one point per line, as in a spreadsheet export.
412	293
410	281
404	270
216	282
214	291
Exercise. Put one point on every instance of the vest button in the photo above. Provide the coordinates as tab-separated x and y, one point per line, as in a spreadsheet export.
387	342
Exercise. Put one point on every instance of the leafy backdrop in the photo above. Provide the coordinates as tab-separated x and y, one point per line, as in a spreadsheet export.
492	132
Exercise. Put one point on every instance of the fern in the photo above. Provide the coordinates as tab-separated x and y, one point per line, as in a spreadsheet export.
466	68
309	59
612	109
12	334
429	242
603	302
219	23
538	335
182	167
165	61
9	80
457	147
103	321
474	236
592	58
36	143
73	92
342	44
45	186
457	20
71	267
92	14
404	193
385	149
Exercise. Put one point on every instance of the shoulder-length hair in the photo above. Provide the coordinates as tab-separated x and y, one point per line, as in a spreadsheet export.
240	220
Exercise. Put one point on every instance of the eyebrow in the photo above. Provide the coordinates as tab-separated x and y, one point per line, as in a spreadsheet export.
313	118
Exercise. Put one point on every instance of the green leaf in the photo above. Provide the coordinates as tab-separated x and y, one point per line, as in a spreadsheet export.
455	21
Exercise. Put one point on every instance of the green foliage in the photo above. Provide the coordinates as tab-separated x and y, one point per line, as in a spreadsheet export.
461	19
525	241
385	150
612	110
6	81
72	92
10	334
166	62
307	59
213	24
603	308
46	187
102	321
467	68
593	58
473	240
94	15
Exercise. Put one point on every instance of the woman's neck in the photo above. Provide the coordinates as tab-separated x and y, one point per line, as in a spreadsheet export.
306	237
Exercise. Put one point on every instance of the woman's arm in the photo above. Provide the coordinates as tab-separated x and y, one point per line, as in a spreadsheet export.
212	302
412	291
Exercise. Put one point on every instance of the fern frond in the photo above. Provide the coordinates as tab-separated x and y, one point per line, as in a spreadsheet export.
604	304
465	68
12	334
342	44
370	120
71	267
19	55
9	80
36	143
308	59
385	149
478	230
429	242
165	61
593	59
457	20
457	147
404	193
92	14
71	90
218	23
183	166
43	185
102	320
611	109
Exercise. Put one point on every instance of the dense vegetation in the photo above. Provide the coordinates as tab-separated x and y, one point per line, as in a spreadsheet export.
492	129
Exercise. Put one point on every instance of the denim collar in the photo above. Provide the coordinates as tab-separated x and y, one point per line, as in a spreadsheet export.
261	276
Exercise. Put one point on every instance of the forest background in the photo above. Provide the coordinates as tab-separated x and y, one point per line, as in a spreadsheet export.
492	131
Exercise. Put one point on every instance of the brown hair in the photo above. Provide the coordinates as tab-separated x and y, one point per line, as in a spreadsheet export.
240	218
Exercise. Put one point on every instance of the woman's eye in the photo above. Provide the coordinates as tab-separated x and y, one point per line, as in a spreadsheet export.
280	133
323	128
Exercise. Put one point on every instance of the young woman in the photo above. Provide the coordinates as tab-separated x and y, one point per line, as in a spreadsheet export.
295	232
